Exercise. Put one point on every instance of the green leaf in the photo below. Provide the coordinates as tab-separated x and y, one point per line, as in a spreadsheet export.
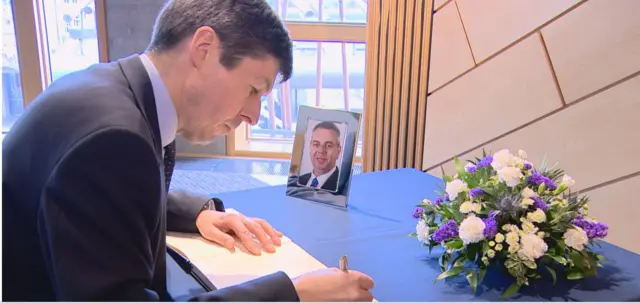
454	244
459	167
483	272
454	271
552	273
460	260
444	261
413	235
575	274
510	291
472	277
558	259
530	264
577	259
472	251
431	246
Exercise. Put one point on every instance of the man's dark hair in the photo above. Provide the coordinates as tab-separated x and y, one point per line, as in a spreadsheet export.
330	126
246	28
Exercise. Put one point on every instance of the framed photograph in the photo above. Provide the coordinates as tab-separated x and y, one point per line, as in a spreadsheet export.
322	157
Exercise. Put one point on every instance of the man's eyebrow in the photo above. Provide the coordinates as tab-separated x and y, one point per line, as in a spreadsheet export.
268	83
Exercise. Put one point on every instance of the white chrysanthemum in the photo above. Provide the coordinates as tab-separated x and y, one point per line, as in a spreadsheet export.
567	181
512	238
528	193
455	187
510	175
532	247
471	230
501	159
575	238
477	207
422	231
537	216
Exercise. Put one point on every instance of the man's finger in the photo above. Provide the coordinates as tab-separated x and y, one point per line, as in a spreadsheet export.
272	232
235	223
259	233
213	234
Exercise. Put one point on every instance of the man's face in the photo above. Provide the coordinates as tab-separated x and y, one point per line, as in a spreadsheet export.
219	99
325	150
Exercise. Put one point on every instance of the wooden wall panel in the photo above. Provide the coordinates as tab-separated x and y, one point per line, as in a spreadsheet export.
594	45
506	92
615	205
494	24
450	52
595	140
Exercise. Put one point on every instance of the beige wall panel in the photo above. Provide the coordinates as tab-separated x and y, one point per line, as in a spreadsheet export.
503	94
450	53
610	204
594	45
494	24
594	141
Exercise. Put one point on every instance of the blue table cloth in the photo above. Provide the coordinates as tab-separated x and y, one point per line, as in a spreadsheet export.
373	232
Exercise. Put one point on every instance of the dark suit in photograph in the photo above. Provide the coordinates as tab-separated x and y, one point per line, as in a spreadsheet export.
84	196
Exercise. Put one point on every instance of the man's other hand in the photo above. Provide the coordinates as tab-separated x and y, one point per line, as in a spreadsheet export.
220	226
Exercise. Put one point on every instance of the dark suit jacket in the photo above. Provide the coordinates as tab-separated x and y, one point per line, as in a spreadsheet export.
85	210
331	183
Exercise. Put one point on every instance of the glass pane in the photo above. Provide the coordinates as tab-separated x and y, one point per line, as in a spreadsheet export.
12	103
279	111
351	11
71	35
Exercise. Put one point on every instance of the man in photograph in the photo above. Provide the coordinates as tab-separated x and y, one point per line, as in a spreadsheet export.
324	150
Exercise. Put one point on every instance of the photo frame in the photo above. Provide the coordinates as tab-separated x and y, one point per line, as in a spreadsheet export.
323	152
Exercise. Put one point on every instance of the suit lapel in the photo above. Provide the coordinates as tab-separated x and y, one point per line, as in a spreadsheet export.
140	85
332	181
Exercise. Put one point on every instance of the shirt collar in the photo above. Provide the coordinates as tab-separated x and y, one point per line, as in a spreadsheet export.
167	116
323	178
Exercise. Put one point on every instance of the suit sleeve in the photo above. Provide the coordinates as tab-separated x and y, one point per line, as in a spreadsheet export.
100	210
274	287
182	210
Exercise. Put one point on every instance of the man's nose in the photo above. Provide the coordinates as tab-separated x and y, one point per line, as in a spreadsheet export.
251	111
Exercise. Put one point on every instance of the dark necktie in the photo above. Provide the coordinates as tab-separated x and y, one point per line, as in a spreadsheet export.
314	182
169	162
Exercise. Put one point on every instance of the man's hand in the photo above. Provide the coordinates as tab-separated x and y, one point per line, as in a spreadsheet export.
218	226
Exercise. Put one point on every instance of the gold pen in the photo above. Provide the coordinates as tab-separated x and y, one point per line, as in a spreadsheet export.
343	264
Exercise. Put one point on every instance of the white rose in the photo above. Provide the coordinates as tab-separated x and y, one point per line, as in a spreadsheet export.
510	175
575	238
454	188
528	193
501	159
471	230
422	231
532	247
567	181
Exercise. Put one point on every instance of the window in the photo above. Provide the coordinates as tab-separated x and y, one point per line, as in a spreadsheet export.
65	41
12	101
329	60
72	36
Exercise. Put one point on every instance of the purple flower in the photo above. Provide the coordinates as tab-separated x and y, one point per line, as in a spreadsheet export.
475	192
528	166
492	213
438	201
471	169
593	229
486	161
418	212
538	203
445	232
490	227
537	178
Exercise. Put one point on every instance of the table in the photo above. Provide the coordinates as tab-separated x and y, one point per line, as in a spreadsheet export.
374	230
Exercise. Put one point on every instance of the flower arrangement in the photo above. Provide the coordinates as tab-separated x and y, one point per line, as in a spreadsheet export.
500	209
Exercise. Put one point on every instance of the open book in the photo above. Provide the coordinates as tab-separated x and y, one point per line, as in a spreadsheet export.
225	268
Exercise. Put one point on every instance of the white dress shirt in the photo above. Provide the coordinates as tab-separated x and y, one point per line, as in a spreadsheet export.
167	116
322	178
